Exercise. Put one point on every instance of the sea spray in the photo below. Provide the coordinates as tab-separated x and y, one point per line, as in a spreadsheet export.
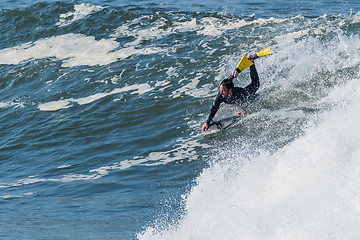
290	169
307	190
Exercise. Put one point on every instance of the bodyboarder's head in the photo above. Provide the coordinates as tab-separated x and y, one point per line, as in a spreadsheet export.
226	87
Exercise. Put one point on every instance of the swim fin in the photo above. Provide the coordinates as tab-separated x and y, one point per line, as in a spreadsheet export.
243	64
263	53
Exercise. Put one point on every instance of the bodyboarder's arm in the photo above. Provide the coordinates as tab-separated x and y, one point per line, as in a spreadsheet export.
215	107
255	83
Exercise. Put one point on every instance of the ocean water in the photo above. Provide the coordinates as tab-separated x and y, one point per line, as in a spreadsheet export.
102	103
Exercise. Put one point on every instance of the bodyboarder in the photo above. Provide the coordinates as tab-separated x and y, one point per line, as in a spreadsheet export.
235	95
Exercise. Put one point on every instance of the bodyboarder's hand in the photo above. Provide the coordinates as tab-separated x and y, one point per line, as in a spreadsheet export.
242	113
205	126
235	74
250	57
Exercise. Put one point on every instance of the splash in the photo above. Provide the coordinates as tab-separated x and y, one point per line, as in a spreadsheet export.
309	189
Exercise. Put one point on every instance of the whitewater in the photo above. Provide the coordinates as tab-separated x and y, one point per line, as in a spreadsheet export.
306	190
305	187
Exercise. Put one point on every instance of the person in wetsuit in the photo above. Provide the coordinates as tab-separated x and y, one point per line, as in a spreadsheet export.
235	95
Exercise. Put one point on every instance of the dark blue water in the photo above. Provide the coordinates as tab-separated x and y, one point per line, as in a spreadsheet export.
102	104
259	7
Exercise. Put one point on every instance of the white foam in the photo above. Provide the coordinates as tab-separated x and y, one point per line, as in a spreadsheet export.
16	196
185	149
5	104
55	105
207	26
192	89
355	18
63	166
73	50
290	37
9	104
66	103
81	11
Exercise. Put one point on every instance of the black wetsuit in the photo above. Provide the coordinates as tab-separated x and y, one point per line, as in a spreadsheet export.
240	96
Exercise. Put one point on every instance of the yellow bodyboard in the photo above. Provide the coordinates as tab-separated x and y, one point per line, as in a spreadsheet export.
264	52
243	64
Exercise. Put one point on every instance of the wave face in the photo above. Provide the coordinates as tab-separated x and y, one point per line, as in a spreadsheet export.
101	112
